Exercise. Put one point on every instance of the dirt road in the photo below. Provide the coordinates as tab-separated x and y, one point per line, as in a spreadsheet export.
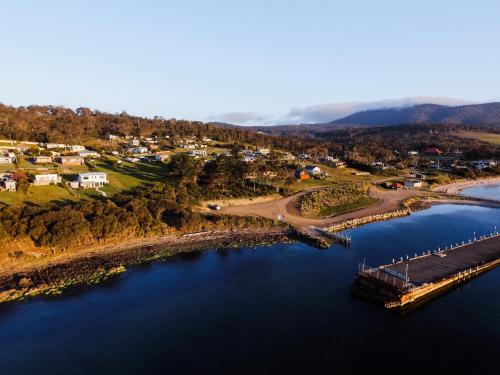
388	200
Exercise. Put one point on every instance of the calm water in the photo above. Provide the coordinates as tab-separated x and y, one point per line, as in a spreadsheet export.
278	309
489	191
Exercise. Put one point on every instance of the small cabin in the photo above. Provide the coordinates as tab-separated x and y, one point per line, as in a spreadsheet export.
302	175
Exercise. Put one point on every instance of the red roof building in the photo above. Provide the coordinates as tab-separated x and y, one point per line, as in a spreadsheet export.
433	151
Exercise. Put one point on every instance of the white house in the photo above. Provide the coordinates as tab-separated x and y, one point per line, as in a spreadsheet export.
312	170
92	179
72	160
46	179
481	164
161	157
197	153
7	159
140	150
135	142
263	151
7	183
49	146
43	160
88	153
76	148
413	184
413	153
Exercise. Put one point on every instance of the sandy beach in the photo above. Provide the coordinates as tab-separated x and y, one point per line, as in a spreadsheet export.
456	187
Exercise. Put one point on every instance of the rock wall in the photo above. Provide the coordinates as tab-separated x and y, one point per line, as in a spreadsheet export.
369	219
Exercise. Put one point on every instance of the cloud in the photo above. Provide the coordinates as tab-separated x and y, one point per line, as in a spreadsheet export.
327	112
239	118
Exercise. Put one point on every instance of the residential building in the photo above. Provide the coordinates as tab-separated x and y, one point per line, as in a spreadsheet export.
92	179
197	153
411	184
42	159
396	186
9	185
7	159
135	142
140	150
433	151
88	154
161	157
482	164
313	170
113	137
46	179
49	146
263	151
77	148
72	160
413	153
302	175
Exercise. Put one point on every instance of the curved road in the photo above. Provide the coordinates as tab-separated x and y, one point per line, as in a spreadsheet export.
388	200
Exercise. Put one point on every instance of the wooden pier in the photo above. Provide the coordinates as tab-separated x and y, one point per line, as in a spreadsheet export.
320	237
408	280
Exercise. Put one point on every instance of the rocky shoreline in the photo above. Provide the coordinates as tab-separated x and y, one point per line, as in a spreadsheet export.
94	268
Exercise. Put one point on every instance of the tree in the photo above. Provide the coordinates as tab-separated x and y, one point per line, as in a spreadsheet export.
185	168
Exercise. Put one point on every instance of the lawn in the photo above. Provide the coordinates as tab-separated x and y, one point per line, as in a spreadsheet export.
129	175
121	177
339	209
481	136
39	195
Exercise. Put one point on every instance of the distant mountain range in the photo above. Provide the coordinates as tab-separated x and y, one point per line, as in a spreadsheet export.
487	114
474	114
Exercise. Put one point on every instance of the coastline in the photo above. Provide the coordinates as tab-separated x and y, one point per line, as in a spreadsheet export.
92	265
457	187
53	276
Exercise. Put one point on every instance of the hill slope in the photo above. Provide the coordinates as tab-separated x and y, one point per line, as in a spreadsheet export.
475	114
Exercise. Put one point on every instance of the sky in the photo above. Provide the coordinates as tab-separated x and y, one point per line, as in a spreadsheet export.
248	62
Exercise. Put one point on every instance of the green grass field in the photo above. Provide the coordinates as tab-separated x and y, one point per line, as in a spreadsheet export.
481	136
39	195
339	209
121	177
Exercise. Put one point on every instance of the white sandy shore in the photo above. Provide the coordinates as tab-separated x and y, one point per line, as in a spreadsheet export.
456	187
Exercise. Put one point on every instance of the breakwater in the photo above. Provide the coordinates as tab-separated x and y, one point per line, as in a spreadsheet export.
368	219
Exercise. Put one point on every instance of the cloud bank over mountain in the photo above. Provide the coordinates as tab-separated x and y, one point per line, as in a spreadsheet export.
327	112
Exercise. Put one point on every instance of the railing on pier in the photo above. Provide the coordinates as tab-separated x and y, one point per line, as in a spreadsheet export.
386	275
392	277
441	251
339	237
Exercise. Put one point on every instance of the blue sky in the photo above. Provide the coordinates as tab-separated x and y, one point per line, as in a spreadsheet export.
249	61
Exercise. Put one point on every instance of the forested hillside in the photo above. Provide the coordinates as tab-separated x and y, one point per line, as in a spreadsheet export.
64	125
478	114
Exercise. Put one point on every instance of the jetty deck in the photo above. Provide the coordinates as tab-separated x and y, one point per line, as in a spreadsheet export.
407	280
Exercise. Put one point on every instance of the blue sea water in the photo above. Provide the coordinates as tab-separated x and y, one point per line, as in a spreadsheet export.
284	308
487	191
